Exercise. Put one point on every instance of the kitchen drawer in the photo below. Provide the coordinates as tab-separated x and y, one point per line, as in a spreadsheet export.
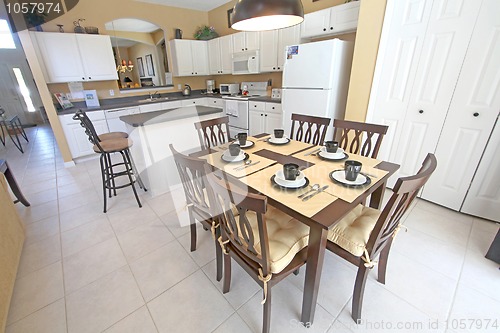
151	107
196	101
93	116
260	106
273	107
215	102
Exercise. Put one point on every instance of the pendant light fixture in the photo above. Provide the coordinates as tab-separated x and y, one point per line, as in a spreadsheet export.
261	15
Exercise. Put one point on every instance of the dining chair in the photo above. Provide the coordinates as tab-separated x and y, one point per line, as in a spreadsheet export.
193	178
13	127
309	129
265	242
358	138
213	132
366	233
105	148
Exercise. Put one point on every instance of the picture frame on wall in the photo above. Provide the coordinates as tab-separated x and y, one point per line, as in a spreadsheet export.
140	67
149	65
229	13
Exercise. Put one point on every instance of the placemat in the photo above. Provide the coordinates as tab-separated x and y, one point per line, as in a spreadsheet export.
261	181
259	144
215	160
321	172
287	149
367	161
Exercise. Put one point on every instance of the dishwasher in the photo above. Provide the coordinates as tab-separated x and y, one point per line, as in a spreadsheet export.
113	118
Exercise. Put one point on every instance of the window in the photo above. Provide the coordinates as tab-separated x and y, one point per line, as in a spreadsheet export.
6	40
24	89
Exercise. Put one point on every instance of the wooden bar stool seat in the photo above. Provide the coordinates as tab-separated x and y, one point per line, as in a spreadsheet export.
113	135
113	145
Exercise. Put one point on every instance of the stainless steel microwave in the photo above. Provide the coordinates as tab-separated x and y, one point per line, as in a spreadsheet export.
229	88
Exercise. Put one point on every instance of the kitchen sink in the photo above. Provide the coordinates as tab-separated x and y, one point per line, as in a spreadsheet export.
149	100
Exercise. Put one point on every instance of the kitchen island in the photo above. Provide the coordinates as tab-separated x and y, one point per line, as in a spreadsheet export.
152	133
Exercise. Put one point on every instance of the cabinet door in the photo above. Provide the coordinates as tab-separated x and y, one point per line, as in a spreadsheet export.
269	50
256	122
182	61
239	43
316	23
226	52
473	112
97	57
272	121
287	36
344	18
199	54
61	57
252	40
214	56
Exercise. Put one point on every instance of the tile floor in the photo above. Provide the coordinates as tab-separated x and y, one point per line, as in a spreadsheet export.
131	270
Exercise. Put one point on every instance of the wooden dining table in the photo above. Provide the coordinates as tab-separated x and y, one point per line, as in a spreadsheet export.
320	213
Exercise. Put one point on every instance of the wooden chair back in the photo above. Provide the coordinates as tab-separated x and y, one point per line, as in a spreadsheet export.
404	192
358	138
309	129
238	232
86	123
213	132
194	182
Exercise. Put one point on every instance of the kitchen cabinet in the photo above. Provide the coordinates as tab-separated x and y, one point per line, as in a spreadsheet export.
219	54
189	57
78	141
331	21
434	86
113	118
264	117
75	57
194	101
245	41
272	47
215	102
160	106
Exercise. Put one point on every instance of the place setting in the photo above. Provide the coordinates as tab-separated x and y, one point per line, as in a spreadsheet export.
351	175
290	178
278	138
243	142
234	154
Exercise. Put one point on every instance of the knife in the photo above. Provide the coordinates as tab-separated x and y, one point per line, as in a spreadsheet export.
312	152
246	166
318	191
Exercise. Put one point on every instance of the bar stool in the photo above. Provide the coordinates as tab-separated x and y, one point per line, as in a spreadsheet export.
13	127
4	168
107	144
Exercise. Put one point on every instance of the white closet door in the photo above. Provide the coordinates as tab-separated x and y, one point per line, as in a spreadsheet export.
403	33
471	117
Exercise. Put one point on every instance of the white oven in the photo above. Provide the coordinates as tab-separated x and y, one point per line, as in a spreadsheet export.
237	111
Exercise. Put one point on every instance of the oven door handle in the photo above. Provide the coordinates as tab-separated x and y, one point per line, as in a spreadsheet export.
231	115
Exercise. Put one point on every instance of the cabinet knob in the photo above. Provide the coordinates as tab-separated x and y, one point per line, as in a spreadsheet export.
273	107
265	115
476	114
421	111
83	78
279	68
90	78
246	48
324	29
261	114
274	67
331	28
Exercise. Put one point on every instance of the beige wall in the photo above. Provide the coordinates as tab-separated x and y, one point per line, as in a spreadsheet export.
371	19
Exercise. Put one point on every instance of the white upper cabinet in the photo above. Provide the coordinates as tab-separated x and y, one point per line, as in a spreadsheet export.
331	21
73	57
245	41
219	55
189	57
273	47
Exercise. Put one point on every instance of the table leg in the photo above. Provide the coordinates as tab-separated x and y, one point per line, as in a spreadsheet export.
377	196
315	258
13	186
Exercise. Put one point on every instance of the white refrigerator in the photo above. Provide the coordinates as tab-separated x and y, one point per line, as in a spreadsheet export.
315	81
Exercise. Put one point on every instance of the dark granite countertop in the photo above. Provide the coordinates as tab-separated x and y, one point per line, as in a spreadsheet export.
123	102
156	117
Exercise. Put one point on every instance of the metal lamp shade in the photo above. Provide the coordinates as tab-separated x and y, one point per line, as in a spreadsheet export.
261	15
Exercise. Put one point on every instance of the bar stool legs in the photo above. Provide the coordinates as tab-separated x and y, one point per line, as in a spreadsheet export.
109	174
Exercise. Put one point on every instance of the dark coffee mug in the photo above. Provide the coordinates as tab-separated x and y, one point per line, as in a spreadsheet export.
331	146
278	133
234	149
291	171
242	138
352	169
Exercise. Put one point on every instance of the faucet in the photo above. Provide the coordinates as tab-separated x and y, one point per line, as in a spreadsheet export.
152	95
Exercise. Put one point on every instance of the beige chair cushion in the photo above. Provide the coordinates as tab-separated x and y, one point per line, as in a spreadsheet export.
287	237
353	231
115	145
113	135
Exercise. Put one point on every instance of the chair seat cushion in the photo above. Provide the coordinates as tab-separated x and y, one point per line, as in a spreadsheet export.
113	135
287	236
113	146
353	231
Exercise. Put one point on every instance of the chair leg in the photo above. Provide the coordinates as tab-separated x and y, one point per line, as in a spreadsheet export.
23	133
266	324
128	169
2	135
135	171
297	271
382	261
359	290
112	178
104	164
192	226
218	255
226	285
13	128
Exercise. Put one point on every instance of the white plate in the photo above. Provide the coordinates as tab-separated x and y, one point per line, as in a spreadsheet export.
246	145
284	139
339	176
332	156
228	158
280	180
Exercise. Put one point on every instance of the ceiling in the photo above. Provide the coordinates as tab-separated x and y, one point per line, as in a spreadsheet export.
133	25
202	5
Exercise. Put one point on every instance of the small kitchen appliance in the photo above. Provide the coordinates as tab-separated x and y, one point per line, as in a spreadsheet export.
187	90
229	88
210	86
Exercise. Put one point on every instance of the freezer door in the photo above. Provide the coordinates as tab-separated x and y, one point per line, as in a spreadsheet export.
312	65
317	103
